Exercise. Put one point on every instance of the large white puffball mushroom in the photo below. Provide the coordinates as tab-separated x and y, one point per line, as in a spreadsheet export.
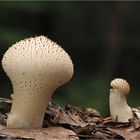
36	67
119	109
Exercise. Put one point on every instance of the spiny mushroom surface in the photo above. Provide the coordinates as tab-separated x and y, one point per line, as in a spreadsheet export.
119	109
36	67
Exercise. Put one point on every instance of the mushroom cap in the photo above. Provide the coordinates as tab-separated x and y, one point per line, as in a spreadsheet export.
38	58
121	85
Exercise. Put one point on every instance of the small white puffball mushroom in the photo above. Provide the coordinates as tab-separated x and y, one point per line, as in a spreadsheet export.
119	109
36	67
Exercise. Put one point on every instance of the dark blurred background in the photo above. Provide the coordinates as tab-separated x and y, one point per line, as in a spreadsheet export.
102	38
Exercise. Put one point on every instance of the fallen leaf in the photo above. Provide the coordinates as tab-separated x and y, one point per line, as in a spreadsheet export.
127	133
136	123
50	133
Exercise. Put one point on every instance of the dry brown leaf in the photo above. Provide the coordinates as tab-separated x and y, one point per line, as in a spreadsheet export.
127	133
56	133
66	119
77	120
50	133
136	123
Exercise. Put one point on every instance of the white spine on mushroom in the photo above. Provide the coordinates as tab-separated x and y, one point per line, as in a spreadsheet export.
119	109
36	67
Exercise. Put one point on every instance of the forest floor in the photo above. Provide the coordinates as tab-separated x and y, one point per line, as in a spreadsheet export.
70	123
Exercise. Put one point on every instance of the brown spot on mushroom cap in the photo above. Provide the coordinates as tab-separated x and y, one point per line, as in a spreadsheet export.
121	85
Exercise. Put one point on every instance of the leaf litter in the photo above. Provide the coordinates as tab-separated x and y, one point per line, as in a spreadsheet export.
70	123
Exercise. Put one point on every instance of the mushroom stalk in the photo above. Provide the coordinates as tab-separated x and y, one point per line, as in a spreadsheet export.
28	113
36	67
119	109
